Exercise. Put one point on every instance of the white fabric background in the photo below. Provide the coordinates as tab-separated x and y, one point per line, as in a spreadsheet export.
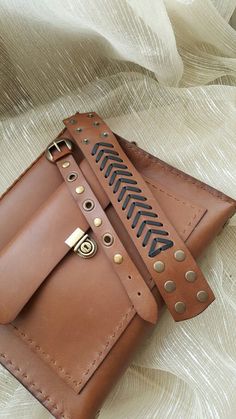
161	72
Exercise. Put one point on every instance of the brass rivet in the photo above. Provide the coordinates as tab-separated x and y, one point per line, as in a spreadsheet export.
104	134
79	129
179	255
72	121
170	286
159	266
191	276
96	123
97	222
90	115
65	164
202	296
118	258
85	141
79	189
180	307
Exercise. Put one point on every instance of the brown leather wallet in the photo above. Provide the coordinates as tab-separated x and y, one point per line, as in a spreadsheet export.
96	237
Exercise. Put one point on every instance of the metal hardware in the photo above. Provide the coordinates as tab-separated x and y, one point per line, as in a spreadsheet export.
191	276
79	129
96	123
72	121
104	134
180	307
159	266
202	296
179	255
90	115
65	164
107	239
85	141
72	177
56	145
118	258
97	222
79	189
81	243
170	286
88	205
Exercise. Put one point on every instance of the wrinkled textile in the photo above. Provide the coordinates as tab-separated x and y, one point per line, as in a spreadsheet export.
162	73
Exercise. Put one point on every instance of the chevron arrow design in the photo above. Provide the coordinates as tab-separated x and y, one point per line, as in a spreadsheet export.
116	173
148	223
139	214
154	250
131	196
123	180
102	144
114	166
153	231
106	158
127	188
105	151
135	205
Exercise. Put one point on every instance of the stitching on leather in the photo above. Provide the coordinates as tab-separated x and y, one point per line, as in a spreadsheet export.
61	370
40	394
124	320
198	210
174	171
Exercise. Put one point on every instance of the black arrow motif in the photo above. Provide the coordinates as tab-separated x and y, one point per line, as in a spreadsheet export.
114	166
135	205
139	214
116	173
127	188
131	196
155	251
150	223
153	231
123	180
106	158
105	151
97	145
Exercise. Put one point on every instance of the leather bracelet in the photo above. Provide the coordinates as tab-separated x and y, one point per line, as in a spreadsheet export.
171	265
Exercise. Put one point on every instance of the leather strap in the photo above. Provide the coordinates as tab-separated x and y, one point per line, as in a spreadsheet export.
136	288
171	265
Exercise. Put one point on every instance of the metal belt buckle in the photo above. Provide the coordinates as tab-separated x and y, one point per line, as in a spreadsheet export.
55	145
81	243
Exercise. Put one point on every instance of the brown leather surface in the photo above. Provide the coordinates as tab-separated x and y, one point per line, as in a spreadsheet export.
100	151
78	332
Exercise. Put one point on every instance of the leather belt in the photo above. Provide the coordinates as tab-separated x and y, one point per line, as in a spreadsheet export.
171	265
137	290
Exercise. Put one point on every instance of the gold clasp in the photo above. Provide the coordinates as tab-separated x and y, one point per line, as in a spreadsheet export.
81	243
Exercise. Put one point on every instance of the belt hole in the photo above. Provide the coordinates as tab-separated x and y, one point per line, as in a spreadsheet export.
88	205
108	239
72	176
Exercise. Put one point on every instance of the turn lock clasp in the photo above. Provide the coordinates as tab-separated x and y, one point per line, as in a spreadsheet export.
81	243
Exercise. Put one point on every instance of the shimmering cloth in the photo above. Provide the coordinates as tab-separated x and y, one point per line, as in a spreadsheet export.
162	73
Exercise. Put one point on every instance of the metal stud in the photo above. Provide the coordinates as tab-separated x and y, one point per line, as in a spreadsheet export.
118	258
202	296
104	134
96	123
170	286
180	307
191	276
72	121
85	141
179	255
90	115
79	129
97	222
65	164
79	189
159	266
